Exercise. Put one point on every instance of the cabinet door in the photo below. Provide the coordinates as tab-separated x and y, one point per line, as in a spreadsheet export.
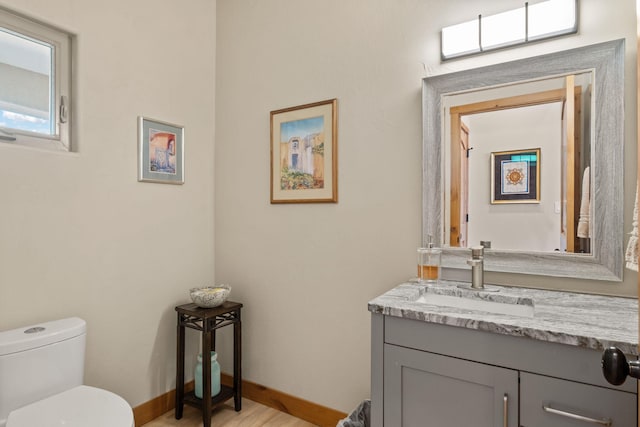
424	389
551	402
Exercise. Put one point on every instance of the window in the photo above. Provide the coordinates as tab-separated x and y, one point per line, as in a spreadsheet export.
35	83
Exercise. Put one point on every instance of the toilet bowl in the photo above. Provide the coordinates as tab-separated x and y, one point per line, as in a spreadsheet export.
81	406
41	380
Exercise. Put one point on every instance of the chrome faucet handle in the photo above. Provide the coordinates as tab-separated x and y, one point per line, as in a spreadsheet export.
477	252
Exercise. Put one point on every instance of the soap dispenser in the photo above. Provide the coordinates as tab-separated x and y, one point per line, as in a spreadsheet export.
429	260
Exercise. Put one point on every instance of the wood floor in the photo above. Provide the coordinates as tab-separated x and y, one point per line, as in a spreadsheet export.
252	415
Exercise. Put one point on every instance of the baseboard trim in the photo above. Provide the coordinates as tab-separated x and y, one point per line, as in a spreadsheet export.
155	408
300	408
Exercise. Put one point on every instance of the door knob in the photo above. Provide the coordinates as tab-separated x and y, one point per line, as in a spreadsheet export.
616	368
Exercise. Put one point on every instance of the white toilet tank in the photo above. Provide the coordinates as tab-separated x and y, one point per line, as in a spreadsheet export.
39	361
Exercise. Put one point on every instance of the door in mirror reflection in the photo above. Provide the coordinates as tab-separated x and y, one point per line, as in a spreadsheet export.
519	159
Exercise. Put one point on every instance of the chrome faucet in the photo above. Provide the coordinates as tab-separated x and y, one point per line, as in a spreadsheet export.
477	267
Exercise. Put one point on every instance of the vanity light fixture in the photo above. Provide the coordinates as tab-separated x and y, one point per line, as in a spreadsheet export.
529	23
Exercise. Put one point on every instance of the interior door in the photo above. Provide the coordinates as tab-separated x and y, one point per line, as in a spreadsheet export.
461	135
464	185
570	166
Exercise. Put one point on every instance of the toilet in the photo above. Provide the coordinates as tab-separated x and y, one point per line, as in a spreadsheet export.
41	375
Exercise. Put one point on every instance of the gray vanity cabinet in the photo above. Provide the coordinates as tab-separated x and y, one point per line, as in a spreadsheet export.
552	402
431	375
426	389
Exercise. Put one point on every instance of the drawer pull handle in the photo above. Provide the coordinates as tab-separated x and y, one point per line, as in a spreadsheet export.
606	422
505	410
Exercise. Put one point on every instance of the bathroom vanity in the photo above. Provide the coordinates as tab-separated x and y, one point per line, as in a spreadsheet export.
449	357
515	357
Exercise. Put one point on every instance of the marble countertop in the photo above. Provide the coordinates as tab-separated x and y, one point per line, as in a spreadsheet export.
589	321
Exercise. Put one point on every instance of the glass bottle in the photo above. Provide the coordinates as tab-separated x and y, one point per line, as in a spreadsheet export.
429	262
215	376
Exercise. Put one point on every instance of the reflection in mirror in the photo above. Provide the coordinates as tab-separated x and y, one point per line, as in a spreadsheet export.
548	193
527	147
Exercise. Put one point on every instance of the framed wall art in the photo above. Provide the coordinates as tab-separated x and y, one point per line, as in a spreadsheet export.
304	157
515	176
160	152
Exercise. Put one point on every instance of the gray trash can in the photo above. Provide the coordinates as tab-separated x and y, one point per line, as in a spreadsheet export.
359	417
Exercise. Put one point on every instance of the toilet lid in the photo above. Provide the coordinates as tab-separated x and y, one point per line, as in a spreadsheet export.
80	406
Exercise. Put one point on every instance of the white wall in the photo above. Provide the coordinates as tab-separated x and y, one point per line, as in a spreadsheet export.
306	324
79	236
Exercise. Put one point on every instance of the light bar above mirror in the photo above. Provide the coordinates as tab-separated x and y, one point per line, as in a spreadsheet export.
532	22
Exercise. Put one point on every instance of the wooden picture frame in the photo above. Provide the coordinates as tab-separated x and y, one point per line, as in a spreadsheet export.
304	156
515	176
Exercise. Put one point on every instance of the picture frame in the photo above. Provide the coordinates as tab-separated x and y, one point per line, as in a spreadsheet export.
515	176
304	153
160	151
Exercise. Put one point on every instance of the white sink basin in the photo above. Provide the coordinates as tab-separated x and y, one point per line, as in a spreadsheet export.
488	302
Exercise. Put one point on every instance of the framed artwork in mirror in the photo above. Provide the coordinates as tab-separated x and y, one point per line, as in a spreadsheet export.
160	152
304	158
515	176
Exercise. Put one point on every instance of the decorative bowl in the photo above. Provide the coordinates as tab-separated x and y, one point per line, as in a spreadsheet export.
210	296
